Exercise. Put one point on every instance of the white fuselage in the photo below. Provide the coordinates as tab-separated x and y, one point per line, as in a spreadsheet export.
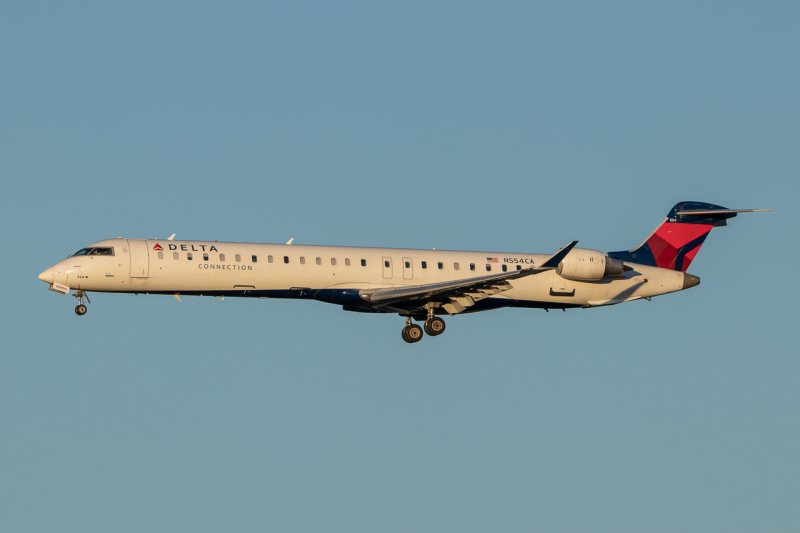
334	274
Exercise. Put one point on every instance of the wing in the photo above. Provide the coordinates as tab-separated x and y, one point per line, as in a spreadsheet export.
455	296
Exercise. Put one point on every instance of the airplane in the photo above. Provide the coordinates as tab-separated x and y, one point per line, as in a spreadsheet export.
419	285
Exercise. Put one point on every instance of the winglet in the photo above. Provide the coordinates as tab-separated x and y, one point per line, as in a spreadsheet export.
558	256
171	237
290	241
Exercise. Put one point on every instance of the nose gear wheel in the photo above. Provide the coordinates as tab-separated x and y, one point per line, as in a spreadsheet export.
80	310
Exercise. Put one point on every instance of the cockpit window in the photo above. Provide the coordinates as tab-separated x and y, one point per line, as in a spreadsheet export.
95	251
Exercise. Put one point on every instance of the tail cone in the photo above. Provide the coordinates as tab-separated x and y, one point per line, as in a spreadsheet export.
690	281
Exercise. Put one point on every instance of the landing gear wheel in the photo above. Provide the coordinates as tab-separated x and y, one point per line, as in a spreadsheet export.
412	333
80	310
434	326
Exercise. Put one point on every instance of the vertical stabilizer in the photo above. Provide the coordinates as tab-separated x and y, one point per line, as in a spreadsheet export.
675	242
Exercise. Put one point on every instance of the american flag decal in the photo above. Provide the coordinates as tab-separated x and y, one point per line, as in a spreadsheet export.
492	260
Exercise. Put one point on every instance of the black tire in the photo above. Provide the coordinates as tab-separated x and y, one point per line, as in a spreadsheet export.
414	333
434	326
80	310
405	335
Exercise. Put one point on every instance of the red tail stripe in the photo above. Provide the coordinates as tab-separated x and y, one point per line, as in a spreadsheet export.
670	237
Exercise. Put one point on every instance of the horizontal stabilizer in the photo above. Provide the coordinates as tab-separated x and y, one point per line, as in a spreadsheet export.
697	212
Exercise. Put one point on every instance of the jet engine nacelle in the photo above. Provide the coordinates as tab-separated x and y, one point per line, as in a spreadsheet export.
588	265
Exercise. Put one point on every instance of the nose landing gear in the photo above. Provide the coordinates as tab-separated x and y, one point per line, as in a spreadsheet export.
80	309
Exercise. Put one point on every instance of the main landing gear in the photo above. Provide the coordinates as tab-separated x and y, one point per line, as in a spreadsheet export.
80	310
412	332
433	326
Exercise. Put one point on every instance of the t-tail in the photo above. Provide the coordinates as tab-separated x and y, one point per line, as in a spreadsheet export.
675	242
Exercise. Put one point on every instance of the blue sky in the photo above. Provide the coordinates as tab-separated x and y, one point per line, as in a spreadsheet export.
484	126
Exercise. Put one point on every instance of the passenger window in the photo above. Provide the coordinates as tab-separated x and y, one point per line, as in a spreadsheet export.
441	266
519	267
347	261
319	260
505	268
386	264
363	262
255	259
238	258
286	259
488	267
189	256
161	255
302	260
174	255
333	261
222	257
472	266
408	264
269	259
424	264
455	266
205	257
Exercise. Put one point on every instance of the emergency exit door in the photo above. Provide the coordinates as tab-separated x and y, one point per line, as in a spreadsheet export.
387	267
408	268
140	260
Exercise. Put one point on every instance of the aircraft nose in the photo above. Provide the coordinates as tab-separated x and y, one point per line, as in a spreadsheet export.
48	276
690	281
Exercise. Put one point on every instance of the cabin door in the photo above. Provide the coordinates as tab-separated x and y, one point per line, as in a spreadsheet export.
140	261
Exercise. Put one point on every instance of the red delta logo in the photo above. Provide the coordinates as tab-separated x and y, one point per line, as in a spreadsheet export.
157	247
